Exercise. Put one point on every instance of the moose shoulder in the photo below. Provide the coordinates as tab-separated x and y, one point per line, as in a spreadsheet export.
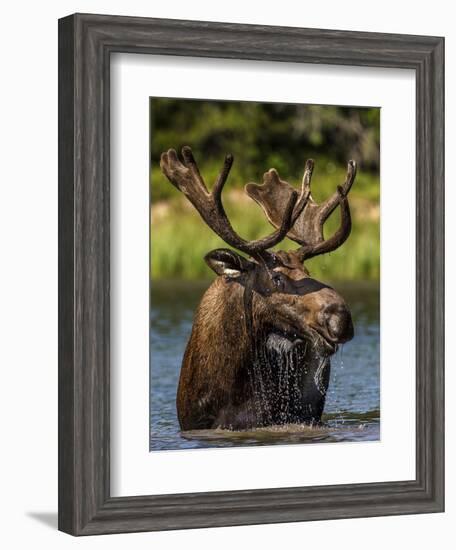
263	334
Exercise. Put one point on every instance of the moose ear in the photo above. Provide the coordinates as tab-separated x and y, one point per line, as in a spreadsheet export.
227	262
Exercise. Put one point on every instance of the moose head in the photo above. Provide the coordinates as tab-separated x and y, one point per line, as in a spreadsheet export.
265	329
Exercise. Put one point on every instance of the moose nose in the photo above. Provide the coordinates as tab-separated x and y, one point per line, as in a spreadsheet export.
339	323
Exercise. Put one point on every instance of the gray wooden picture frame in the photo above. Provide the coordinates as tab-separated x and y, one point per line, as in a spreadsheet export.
85	45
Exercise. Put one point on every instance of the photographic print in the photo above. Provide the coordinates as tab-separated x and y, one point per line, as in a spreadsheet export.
264	274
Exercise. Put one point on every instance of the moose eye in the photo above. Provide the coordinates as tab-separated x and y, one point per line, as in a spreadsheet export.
278	281
275	261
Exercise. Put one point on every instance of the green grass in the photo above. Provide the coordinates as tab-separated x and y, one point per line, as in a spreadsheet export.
180	239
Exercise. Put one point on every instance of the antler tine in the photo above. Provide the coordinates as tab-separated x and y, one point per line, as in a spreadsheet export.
340	236
339	198
305	190
223	176
190	163
308	171
187	178
328	207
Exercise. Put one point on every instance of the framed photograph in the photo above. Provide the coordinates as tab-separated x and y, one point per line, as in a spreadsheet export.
251	274
259	371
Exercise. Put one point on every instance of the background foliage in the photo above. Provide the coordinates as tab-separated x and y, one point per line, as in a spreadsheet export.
261	136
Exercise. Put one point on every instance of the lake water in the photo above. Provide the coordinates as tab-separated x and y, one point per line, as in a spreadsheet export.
352	410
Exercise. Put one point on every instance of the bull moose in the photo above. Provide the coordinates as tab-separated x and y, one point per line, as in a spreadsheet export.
264	331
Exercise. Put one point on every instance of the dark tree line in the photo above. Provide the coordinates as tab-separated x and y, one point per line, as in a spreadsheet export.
265	134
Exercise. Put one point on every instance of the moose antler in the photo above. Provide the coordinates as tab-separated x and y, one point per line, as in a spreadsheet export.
308	227
186	177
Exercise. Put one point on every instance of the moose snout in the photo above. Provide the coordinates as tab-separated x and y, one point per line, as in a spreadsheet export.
338	322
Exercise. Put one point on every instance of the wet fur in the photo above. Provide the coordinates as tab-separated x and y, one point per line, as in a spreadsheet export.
233	380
